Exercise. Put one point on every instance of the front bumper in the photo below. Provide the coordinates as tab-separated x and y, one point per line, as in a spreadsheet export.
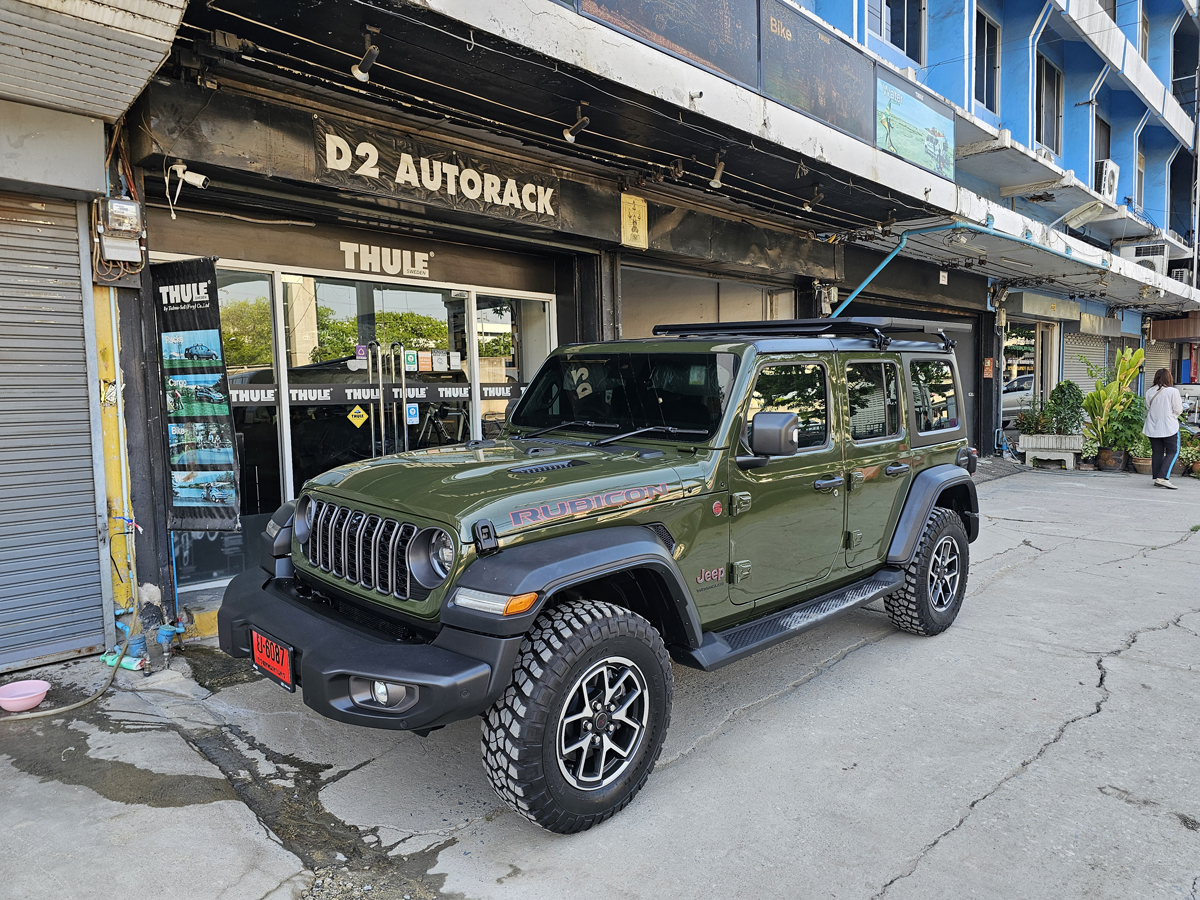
457	676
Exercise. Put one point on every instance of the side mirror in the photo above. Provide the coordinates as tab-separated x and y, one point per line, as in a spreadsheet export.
774	434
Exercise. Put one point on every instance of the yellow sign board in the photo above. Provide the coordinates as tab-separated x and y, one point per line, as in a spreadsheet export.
634	222
357	416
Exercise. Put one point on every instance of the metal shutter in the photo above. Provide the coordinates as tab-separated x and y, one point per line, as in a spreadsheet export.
1158	356
1090	346
51	596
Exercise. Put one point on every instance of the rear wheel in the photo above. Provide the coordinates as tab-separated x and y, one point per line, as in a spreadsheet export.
936	580
577	733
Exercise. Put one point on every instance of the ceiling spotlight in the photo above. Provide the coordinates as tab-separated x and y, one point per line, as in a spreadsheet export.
361	70
582	123
716	179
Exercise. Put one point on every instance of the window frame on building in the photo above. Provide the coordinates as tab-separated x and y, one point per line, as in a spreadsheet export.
1110	8
881	26
987	77
1139	180
1054	144
1144	37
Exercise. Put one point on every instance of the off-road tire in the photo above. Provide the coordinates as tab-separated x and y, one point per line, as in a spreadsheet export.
521	730
911	608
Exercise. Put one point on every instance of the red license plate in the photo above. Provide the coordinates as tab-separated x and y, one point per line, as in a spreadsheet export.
272	658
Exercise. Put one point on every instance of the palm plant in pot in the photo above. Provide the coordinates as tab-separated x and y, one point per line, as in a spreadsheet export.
1110	419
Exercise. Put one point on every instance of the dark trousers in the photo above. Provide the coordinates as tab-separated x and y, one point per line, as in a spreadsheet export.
1164	452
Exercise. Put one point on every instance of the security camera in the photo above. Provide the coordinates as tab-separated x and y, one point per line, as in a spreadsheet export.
195	179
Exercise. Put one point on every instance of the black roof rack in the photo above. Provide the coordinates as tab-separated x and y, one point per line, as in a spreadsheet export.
879	327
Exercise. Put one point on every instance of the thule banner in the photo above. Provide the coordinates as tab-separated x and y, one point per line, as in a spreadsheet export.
202	467
352	157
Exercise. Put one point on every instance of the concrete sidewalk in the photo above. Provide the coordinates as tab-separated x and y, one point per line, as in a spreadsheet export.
1045	746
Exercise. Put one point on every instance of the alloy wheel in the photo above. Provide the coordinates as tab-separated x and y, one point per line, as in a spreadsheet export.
602	723
944	573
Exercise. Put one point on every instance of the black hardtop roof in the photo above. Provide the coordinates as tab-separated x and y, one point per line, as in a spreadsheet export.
880	329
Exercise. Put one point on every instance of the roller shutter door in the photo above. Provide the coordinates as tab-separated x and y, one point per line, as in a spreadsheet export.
1158	356
51	599
1090	346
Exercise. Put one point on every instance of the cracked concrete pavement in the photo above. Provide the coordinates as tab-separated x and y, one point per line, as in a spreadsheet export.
1045	746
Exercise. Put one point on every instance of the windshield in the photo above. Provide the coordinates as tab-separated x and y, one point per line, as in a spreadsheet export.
631	391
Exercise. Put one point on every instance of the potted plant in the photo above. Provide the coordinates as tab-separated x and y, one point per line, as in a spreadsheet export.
1107	407
1140	455
1189	458
1053	430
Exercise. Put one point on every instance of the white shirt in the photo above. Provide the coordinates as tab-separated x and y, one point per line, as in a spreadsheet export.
1164	406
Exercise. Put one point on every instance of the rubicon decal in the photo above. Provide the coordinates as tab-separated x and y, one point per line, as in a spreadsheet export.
547	512
711	575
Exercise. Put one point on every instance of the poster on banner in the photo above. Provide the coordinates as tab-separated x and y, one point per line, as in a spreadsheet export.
203	483
914	125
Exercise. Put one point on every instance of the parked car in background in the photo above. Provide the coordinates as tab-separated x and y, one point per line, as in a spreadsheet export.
1016	393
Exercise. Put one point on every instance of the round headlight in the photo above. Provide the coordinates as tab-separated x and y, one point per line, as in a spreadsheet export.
303	522
441	553
431	557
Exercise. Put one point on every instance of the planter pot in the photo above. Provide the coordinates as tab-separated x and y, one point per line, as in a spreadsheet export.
1141	464
1062	443
1195	468
1110	460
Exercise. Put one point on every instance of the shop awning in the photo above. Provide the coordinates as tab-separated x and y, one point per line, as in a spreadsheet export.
1046	260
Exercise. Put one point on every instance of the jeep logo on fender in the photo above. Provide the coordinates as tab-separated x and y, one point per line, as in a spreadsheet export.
550	511
711	575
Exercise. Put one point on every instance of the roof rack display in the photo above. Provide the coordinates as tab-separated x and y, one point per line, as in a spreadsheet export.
881	328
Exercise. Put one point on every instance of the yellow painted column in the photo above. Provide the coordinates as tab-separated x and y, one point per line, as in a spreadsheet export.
116	474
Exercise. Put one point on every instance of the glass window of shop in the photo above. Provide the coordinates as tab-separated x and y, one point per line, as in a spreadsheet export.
360	369
246	341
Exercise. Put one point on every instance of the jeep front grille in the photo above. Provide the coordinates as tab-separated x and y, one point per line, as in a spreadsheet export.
361	548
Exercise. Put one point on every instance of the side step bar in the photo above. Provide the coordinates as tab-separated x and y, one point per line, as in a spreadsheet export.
720	648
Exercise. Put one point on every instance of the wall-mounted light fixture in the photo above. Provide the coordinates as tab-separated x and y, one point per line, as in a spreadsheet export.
362	69
720	170
581	122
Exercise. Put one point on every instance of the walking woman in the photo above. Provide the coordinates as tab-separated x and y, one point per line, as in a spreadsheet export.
1164	406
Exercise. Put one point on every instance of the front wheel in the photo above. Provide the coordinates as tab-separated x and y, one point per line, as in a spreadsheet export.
936	580
577	733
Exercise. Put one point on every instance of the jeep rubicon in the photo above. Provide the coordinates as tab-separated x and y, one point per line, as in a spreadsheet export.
701	495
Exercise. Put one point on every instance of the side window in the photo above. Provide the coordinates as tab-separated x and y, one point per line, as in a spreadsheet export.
874	395
935	402
794	388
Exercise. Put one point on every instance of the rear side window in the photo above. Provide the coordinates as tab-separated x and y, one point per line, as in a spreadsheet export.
798	389
874	395
935	401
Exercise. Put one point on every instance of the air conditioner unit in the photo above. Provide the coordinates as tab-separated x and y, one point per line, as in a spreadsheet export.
1107	172
1152	256
1184	275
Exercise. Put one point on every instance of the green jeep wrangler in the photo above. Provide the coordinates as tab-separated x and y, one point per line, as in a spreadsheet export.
705	493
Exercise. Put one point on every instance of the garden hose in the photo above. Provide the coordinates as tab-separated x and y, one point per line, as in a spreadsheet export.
39	713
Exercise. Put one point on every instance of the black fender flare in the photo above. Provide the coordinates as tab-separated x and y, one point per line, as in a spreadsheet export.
550	565
922	496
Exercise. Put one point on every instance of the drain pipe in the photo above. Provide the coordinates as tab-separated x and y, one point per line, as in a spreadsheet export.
953	226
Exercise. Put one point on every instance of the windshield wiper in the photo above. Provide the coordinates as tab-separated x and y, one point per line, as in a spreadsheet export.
584	422
667	428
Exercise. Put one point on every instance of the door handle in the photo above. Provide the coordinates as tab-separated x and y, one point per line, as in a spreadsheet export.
897	470
825	485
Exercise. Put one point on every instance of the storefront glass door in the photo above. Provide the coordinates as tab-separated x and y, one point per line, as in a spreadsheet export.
347	339
513	340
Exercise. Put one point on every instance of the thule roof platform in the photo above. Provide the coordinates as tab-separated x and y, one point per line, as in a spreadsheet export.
881	328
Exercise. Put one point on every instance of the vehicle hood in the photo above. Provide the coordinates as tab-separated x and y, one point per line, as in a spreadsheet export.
519	485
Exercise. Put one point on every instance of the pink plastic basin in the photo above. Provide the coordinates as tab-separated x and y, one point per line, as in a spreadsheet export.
22	695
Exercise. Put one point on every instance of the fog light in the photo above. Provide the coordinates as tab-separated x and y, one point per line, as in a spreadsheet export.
383	696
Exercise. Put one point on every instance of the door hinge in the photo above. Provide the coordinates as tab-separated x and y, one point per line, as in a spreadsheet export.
739	503
740	571
853	539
